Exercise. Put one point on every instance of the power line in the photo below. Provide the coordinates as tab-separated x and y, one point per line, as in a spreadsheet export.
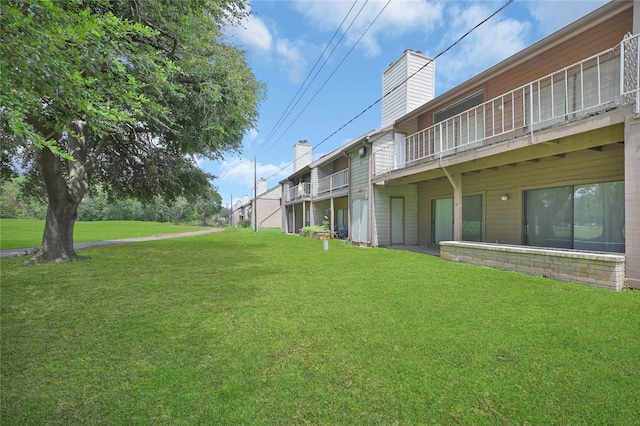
286	110
334	71
405	80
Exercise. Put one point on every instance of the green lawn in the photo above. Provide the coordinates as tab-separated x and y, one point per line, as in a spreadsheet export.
24	233
242	328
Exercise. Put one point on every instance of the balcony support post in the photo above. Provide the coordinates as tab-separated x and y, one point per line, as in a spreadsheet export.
455	180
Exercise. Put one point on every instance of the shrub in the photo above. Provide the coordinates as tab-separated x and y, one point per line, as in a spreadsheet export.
308	231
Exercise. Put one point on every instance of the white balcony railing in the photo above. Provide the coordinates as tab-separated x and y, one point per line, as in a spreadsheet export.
326	186
300	191
334	182
603	81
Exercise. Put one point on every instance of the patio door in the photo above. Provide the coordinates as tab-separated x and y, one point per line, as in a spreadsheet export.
397	220
442	219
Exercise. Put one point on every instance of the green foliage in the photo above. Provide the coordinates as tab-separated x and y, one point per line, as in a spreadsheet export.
308	231
240	327
14	204
154	82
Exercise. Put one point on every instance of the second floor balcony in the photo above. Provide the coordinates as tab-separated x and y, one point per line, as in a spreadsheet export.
334	184
604	81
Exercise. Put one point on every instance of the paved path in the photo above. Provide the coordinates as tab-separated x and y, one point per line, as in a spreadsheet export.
30	250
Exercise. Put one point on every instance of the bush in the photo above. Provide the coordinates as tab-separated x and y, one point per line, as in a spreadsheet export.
308	231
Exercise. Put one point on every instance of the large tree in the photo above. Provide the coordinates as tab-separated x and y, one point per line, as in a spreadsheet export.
125	93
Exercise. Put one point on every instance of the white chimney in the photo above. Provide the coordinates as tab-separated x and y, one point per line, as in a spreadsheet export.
245	199
301	155
408	94
261	186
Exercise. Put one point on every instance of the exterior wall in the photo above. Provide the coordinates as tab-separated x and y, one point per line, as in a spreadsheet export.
632	200
595	269
502	220
382	223
301	155
359	212
549	58
269	213
340	163
411	93
314	182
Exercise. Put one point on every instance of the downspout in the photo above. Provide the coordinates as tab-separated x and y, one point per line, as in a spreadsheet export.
370	196
348	155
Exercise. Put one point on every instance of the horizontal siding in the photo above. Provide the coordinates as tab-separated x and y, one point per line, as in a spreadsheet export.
603	36
383	213
359	175
503	219
421	87
394	103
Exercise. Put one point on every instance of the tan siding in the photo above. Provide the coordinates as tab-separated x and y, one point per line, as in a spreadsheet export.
503	219
340	163
383	213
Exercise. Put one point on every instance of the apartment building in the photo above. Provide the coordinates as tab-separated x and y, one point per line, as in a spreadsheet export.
541	152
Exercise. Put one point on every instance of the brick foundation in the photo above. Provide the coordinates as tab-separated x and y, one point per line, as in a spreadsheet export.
605	270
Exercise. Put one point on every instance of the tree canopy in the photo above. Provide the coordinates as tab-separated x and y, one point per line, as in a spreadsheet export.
129	94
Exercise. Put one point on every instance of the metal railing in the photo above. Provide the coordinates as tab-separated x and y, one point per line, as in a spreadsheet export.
336	181
603	81
299	192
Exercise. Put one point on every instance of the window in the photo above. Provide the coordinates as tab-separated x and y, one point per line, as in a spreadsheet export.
584	217
472	218
442	219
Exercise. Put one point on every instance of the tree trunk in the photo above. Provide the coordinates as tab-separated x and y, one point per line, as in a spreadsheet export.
64	194
203	216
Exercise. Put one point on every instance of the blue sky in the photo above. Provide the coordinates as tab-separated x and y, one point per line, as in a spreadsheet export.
284	40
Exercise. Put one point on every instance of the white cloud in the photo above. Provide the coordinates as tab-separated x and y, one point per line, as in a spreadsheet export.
487	45
398	18
553	15
253	32
292	60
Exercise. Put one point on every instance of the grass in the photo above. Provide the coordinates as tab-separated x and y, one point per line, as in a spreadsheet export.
24	233
243	328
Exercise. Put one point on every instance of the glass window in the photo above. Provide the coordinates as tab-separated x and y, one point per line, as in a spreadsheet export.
599	217
442	218
548	217
583	217
472	218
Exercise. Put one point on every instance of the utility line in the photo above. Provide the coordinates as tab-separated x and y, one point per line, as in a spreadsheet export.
286	110
281	122
331	75
404	81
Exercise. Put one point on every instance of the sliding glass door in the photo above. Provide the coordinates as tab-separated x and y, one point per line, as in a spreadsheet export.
584	217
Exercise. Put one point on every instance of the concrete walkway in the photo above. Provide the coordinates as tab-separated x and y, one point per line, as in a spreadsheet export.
30	250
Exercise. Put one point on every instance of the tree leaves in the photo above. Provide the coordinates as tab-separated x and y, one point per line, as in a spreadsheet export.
152	81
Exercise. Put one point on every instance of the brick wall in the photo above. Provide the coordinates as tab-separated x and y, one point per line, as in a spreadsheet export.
603	270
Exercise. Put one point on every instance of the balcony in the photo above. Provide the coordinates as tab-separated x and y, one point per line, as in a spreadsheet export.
599	83
326	187
299	192
335	182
